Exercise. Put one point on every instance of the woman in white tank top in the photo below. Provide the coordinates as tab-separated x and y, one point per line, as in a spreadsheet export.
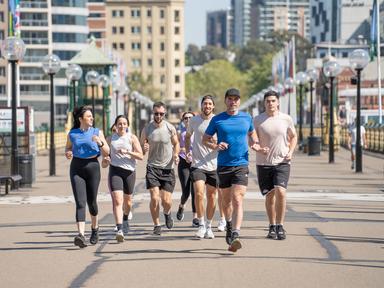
125	150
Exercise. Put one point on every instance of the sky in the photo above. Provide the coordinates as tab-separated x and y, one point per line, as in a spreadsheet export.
195	19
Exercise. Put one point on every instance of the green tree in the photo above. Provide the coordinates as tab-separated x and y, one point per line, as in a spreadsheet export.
252	54
259	76
138	82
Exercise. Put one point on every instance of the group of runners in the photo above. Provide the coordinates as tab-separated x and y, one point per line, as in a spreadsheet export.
211	152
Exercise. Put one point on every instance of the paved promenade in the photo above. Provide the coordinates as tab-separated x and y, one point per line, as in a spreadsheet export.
335	235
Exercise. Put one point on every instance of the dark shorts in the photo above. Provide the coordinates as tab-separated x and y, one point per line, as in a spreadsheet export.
162	178
209	177
120	179
271	176
232	175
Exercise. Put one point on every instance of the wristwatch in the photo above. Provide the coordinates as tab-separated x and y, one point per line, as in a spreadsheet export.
102	144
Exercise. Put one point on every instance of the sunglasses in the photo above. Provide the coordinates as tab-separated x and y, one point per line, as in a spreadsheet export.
187	118
159	113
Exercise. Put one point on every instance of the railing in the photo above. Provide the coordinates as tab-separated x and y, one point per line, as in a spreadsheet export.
30	4
43	139
31	22
374	135
35	40
33	58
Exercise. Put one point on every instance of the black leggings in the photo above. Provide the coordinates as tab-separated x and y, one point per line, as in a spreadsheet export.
186	183
85	179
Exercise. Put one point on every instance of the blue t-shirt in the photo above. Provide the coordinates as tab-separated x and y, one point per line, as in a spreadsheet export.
232	129
82	144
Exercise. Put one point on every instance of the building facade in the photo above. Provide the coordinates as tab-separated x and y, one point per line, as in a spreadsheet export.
3	62
241	22
218	28
149	36
97	21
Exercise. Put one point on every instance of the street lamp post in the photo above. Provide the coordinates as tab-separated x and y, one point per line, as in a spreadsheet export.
73	73
289	83
313	142
51	65
104	80
301	78
358	59
92	78
13	49
331	69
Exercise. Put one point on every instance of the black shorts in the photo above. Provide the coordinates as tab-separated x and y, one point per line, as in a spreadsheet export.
209	177
162	178
271	176
121	179
230	175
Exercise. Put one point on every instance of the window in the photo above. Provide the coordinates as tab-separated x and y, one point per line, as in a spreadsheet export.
177	46
177	30
114	13
149	29
135	29
149	45
345	55
2	71
162	46
177	15
177	79
2	90
121	28
162	30
149	62
136	63
114	29
121	13
135	13
149	13
177	62
122	46
162	63
162	13
114	46
162	79
1	16
177	94
136	46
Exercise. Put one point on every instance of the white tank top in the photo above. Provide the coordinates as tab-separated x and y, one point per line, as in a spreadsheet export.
124	161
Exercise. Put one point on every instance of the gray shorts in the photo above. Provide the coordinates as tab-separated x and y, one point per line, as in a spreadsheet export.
271	176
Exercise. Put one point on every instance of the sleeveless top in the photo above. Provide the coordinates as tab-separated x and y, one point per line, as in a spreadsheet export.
124	161
82	145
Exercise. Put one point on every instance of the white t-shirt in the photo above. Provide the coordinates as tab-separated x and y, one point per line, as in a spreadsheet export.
273	133
202	157
353	131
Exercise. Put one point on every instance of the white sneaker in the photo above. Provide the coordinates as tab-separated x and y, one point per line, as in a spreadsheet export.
120	236
130	215
125	227
221	225
201	232
115	229
209	233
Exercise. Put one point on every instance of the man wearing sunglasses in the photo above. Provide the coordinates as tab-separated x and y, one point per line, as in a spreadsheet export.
159	140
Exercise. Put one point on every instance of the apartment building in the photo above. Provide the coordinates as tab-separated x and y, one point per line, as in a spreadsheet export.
149	36
3	62
218	28
97	21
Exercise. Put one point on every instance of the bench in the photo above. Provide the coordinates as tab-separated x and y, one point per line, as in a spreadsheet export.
10	180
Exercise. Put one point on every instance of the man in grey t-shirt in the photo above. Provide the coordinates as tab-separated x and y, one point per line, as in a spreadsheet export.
277	141
159	140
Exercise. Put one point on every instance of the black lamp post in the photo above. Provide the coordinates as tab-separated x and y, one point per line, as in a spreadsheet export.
92	78
301	78
51	65
73	73
358	59
331	69
104	80
13	49
289	83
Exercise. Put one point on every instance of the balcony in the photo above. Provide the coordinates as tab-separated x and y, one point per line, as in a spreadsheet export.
38	41
34	23
33	4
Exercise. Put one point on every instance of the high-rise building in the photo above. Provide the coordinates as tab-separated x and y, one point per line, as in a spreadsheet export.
58	27
218	28
3	62
149	35
241	22
97	21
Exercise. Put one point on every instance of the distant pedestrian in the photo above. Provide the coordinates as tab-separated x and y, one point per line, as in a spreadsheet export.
234	130
277	141
184	169
352	131
125	150
159	140
84	144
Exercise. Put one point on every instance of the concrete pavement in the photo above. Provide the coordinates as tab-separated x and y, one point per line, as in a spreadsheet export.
334	224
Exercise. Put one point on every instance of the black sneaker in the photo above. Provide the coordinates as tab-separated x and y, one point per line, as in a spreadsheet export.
168	221
280	232
272	232
195	223
157	230
228	235
235	243
94	236
80	241
180	214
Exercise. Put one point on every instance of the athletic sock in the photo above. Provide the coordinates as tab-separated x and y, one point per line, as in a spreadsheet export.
125	217
119	226
201	221
209	223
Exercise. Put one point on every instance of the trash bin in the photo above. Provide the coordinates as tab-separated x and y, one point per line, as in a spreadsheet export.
26	169
314	145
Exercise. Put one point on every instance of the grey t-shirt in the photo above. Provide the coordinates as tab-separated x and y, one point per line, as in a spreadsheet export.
160	145
202	156
273	133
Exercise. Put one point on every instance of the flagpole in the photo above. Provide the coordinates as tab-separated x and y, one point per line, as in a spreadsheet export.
379	61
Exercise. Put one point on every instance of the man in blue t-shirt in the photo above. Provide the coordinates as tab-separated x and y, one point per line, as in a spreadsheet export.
233	129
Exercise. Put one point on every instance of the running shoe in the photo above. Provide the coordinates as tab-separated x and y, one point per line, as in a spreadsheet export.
125	227
157	230
94	236
228	235
115	229
120	236
272	232
80	241
235	243
280	232
209	233
201	232
180	214
168	221
130	215
195	222
221	225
